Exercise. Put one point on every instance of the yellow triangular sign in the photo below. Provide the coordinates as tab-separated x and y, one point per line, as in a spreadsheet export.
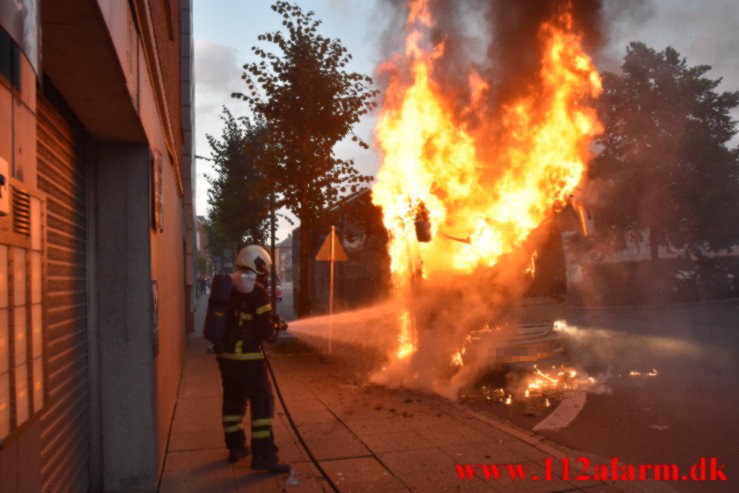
325	252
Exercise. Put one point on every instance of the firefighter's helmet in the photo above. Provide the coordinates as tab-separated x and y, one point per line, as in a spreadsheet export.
254	258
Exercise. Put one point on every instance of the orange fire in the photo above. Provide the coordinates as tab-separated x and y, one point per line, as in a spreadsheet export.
406	344
430	160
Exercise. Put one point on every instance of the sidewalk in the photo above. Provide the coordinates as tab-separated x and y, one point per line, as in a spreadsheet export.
367	438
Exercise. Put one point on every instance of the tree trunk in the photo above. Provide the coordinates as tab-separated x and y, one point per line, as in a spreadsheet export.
272	253
304	290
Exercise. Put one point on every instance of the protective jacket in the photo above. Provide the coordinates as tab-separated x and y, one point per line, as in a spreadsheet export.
249	323
244	373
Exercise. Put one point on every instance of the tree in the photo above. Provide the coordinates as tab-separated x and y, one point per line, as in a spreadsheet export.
309	102
239	207
666	167
202	263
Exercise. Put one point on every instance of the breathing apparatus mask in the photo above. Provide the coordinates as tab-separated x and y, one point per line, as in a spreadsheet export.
244	280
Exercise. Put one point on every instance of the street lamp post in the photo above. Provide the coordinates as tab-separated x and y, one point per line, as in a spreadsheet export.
273	284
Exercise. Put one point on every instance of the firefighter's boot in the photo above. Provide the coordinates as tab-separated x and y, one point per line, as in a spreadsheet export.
236	454
269	463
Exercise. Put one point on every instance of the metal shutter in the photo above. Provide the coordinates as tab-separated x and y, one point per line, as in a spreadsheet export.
65	435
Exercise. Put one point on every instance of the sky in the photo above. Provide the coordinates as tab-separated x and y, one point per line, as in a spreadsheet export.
705	32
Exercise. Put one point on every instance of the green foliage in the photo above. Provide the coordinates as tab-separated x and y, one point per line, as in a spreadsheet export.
239	206
309	102
666	165
202	263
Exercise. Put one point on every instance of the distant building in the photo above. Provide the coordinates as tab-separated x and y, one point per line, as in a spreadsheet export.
284	259
201	244
363	279
96	239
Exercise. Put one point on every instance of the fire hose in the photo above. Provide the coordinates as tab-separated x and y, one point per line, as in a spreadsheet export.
295	428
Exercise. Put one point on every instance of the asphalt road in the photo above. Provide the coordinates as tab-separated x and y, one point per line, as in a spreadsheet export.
685	412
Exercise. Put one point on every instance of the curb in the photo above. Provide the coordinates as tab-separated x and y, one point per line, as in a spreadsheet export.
555	450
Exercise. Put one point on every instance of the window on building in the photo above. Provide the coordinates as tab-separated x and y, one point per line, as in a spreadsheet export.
21	313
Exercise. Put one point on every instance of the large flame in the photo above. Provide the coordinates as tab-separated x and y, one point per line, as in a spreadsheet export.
479	209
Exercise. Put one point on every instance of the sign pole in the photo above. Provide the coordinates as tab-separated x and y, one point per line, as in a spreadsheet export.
331	251
331	289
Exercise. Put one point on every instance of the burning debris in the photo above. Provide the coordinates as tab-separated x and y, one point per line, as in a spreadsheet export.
452	207
636	373
534	388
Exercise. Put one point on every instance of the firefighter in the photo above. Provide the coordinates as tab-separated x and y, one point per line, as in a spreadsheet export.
242	364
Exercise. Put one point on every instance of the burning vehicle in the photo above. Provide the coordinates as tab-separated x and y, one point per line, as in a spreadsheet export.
481	165
480	162
520	327
530	321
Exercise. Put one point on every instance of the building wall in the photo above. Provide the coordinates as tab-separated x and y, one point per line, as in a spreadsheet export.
167	36
168	269
120	70
20	455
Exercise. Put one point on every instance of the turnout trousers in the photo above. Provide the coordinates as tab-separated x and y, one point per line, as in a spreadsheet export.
242	381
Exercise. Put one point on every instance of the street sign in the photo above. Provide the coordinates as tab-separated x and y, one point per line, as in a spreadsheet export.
325	252
332	251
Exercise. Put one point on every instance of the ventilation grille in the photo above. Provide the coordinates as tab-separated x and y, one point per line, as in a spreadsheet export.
21	212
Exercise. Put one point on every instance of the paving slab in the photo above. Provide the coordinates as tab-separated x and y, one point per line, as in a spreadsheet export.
530	485
370	425
484	453
302	478
337	446
367	437
195	440
197	414
527	450
483	428
395	441
196	471
362	475
428	470
445	431
318	416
